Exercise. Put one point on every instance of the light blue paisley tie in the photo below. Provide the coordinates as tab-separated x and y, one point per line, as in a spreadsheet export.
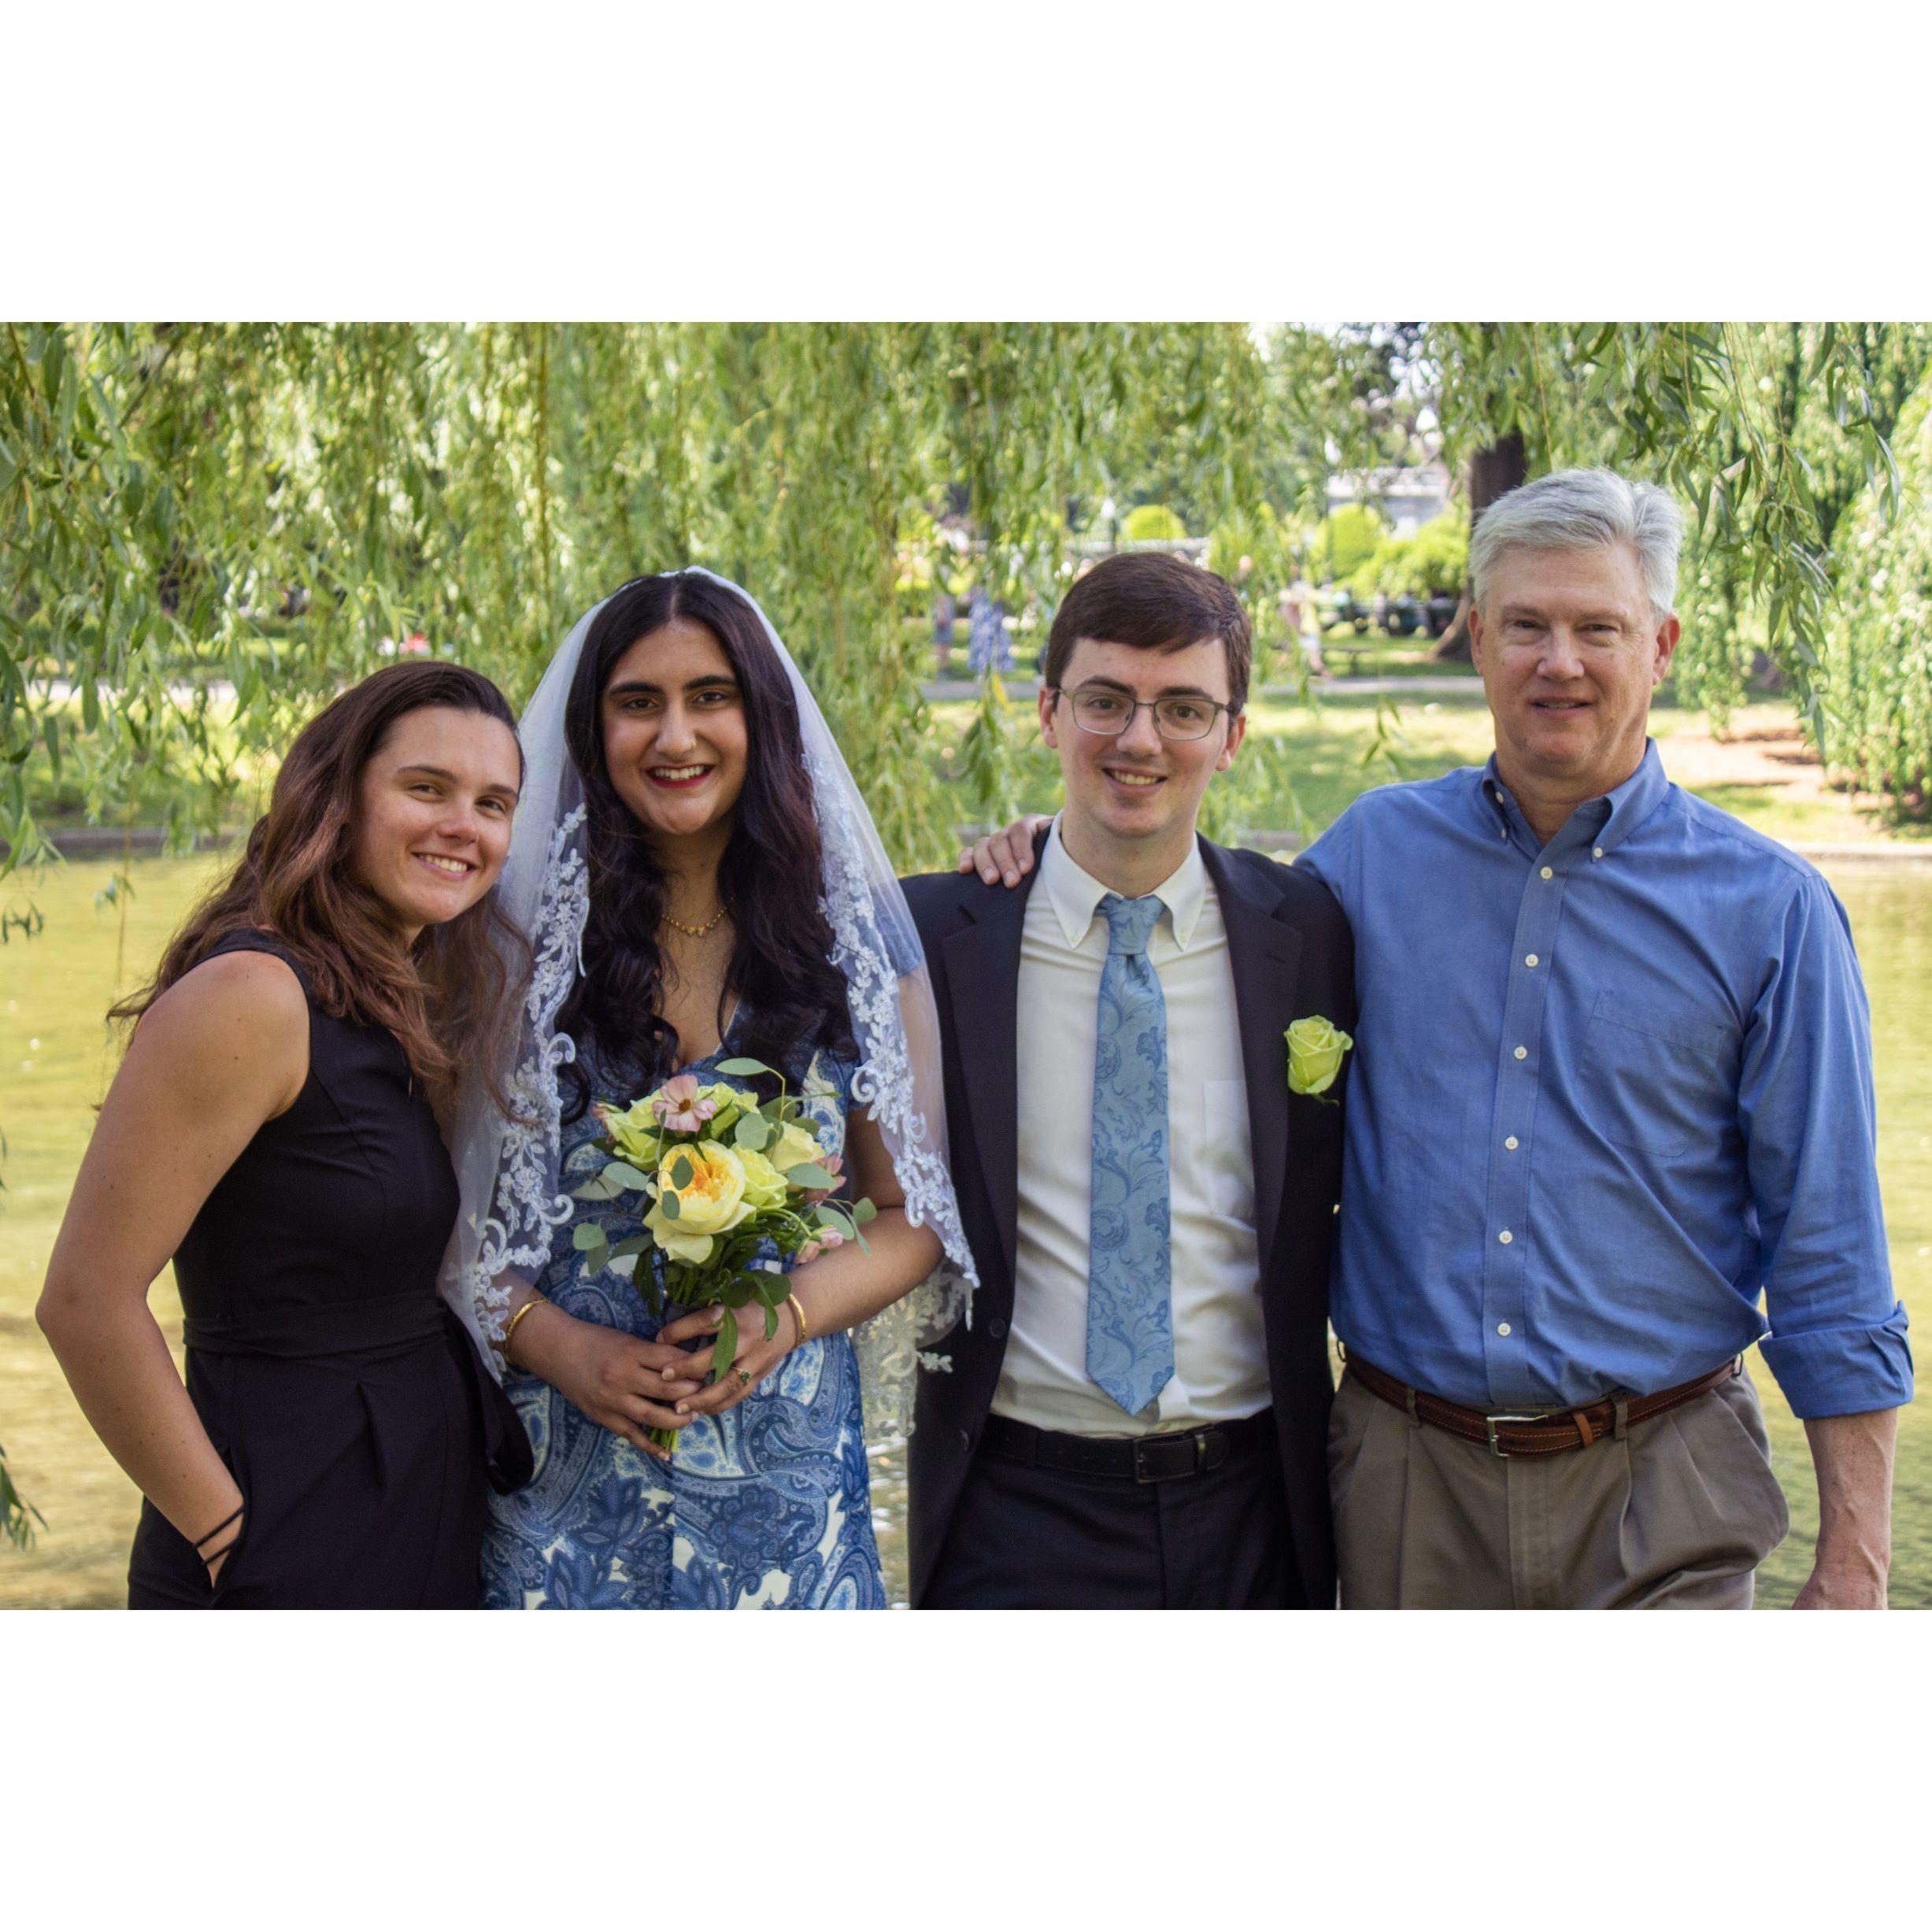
1129	1318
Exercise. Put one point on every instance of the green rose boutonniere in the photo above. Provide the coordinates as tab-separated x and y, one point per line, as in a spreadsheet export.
1315	1046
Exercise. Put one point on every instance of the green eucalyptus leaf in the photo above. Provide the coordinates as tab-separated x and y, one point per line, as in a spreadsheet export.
735	1067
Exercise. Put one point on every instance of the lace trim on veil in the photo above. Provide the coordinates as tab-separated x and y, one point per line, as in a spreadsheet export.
889	1345
524	1208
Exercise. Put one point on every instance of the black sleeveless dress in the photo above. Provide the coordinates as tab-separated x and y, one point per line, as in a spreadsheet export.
350	1404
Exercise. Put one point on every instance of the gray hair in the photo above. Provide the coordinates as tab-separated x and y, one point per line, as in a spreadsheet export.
1582	510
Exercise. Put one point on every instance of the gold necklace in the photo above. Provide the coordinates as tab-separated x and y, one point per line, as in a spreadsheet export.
698	932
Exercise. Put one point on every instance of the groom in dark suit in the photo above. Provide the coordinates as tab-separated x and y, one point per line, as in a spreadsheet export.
1137	1416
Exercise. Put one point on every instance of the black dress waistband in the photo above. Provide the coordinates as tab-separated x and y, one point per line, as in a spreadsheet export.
357	1334
315	1329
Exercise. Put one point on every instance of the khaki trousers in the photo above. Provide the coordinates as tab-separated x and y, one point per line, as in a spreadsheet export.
1676	1513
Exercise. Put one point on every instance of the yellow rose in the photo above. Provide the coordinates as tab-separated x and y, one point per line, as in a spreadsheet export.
795	1146
731	1102
1315	1049
711	1202
636	1134
765	1186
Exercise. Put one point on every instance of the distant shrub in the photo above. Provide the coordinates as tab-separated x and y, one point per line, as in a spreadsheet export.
1347	540
1438	560
1432	562
1152	523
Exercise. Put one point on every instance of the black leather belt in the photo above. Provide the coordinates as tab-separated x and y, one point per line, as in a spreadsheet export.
1140	1459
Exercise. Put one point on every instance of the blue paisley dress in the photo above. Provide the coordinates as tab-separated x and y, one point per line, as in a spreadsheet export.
767	1506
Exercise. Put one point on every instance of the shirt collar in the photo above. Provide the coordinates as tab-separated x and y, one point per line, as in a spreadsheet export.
1610	820
1075	893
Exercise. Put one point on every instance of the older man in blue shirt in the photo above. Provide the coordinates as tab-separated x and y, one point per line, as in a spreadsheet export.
1612	1085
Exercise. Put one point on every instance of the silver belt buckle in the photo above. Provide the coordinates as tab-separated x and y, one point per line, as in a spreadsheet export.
1495	1448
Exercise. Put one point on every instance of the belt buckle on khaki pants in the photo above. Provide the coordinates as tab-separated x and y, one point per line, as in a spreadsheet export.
1495	1448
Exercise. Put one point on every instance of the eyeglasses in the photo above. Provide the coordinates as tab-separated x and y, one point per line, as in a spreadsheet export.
1109	714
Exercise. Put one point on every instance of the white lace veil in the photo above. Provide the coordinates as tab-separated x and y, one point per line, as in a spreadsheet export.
508	1168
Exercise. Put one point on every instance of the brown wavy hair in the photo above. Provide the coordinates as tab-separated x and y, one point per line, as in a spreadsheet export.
447	998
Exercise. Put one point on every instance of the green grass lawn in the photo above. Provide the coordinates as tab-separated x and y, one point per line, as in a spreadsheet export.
56	1057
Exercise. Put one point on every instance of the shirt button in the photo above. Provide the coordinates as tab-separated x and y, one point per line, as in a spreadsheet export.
1529	959
1505	1238
1511	1143
1523	1052
1596	852
1502	1328
1547	873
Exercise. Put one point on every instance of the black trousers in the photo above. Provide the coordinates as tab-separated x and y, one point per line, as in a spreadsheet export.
1027	1538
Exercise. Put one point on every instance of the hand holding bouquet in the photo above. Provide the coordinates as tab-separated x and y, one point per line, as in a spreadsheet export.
726	1174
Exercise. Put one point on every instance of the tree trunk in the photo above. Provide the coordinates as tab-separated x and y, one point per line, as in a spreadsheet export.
1491	472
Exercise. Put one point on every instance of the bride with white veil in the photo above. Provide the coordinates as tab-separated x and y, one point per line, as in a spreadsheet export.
700	882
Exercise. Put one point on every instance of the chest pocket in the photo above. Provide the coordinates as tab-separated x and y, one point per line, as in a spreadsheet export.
1652	1080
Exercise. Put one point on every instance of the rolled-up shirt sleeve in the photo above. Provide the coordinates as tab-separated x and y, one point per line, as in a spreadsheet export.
1838	1342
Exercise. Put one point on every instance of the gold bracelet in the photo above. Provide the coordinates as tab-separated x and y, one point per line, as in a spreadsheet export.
503	1347
797	1309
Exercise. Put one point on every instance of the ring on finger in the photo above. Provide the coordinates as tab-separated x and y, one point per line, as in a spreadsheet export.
743	1375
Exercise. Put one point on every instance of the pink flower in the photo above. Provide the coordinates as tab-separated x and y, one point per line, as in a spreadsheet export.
680	1107
834	1165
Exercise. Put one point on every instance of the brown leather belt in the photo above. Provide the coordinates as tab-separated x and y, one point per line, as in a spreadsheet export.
1519	1434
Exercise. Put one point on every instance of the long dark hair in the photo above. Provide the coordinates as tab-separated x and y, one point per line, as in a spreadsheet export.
793	998
446	998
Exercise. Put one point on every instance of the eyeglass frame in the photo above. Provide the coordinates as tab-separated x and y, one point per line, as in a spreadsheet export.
1136	706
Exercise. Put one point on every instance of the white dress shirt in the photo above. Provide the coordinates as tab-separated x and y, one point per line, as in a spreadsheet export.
1220	1357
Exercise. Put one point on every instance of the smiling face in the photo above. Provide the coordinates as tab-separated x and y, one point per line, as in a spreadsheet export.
433	810
675	739
1132	801
1570	652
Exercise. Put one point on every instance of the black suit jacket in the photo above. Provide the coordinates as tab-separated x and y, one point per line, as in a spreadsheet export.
1291	955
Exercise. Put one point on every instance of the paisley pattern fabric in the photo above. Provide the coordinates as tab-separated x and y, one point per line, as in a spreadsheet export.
767	1506
1129	1311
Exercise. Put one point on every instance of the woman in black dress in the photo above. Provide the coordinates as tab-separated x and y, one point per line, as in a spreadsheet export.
273	1127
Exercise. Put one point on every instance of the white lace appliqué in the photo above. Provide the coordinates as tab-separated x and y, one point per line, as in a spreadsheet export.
527	1203
888	1345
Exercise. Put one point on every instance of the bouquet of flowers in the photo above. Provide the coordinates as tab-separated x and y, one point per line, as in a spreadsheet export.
728	1177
